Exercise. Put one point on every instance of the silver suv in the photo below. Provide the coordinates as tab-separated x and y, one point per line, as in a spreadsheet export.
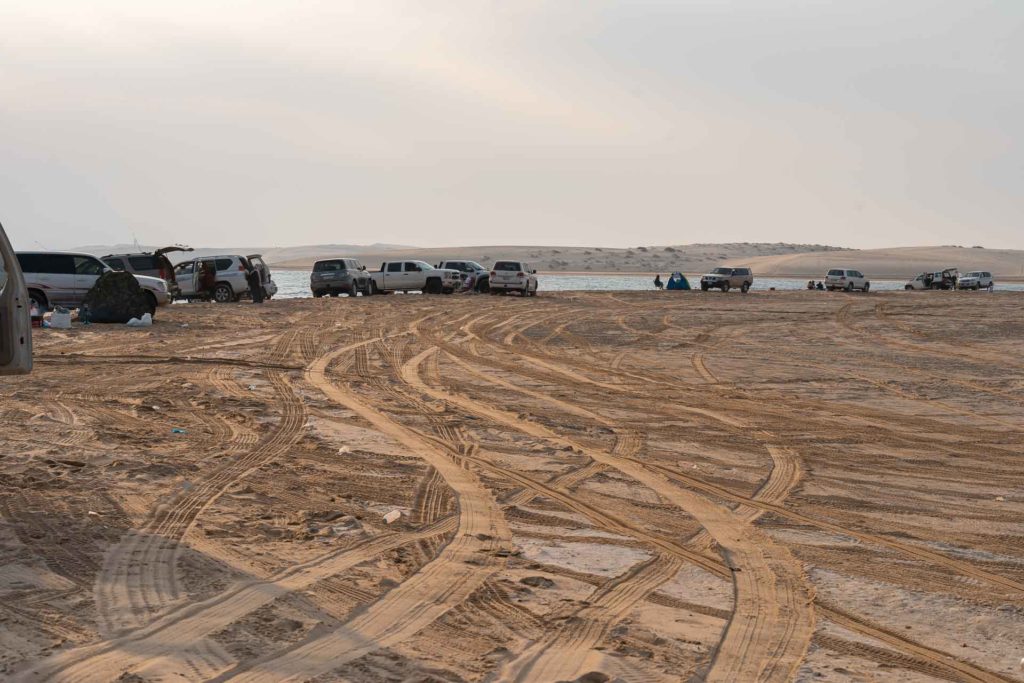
339	275
725	278
976	279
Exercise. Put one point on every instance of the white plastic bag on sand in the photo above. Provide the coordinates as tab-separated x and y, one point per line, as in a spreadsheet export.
145	321
60	320
392	516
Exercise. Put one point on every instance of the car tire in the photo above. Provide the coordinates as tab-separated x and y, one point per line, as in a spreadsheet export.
703	287
317	294
849	286
745	287
432	286
40	299
908	288
373	287
150	303
223	293
333	294
725	287
867	287
483	286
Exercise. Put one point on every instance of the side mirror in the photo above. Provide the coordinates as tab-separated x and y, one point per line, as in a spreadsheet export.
362	267
533	272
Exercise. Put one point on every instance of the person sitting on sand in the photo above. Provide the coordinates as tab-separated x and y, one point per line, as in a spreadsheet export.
819	287
657	281
810	284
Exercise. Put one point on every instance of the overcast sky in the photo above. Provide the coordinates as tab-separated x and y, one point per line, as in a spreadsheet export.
857	122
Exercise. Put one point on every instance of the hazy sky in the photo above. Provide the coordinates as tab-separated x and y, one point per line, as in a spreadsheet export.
853	122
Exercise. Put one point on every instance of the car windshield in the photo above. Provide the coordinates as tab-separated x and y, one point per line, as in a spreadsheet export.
722	271
507	265
474	265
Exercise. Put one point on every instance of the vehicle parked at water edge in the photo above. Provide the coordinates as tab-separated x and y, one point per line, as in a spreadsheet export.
976	279
413	276
726	278
228	277
339	276
153	264
846	280
939	279
56	278
513	276
470	269
15	315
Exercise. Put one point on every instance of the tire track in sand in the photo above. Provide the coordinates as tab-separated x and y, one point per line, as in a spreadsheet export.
139	575
773	620
442	584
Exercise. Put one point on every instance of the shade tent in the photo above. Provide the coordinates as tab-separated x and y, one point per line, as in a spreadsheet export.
677	281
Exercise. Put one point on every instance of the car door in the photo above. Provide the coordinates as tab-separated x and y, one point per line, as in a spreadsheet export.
412	277
184	275
393	275
59	271
15	321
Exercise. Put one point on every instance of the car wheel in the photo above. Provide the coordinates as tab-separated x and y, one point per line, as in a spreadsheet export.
867	286
703	287
40	300
150	303
333	294
725	287
908	288
483	286
222	293
849	286
745	287
373	287
317	294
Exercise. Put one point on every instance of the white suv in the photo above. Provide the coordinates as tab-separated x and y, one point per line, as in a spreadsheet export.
63	279
227	277
513	276
976	279
847	280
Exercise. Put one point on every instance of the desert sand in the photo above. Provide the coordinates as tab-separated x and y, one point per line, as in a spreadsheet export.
638	487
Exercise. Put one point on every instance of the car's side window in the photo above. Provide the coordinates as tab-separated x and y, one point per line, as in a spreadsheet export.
115	263
395	267
223	264
88	266
3	273
186	268
411	267
143	262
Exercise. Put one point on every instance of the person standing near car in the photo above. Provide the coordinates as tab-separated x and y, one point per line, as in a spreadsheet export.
255	281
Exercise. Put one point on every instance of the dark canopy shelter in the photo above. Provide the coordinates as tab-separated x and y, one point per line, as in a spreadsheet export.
677	281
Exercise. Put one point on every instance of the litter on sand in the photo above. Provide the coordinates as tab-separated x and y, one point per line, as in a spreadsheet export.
343	450
178	430
392	516
145	321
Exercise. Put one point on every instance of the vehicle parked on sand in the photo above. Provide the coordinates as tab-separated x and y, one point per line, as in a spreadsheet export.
15	319
413	276
976	279
940	279
226	275
726	278
846	280
153	264
63	279
339	276
513	276
470	269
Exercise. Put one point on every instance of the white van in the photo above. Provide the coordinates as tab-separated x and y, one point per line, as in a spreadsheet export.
15	320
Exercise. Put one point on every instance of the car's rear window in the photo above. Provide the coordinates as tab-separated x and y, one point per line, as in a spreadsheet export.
329	266
144	262
508	265
836	272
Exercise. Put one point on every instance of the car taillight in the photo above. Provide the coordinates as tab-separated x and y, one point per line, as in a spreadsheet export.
492	273
520	274
241	268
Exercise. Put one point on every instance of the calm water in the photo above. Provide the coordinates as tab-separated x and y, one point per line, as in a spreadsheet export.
295	283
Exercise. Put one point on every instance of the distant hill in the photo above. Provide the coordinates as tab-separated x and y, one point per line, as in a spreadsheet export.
895	263
650	259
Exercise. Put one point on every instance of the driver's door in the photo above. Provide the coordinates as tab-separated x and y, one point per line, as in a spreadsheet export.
15	320
411	277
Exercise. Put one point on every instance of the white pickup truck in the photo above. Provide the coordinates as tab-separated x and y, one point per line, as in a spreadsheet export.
413	276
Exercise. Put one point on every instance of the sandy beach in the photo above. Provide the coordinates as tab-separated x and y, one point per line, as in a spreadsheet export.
591	487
